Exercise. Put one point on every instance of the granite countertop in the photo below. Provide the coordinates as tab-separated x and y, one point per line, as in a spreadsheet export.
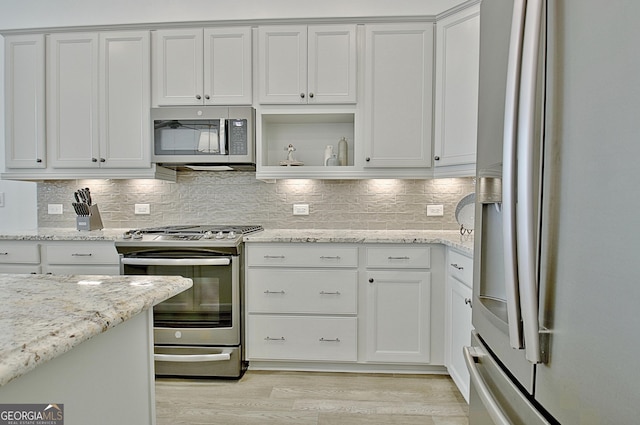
450	238
44	316
63	234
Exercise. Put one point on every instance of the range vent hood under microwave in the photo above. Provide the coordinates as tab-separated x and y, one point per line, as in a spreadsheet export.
209	138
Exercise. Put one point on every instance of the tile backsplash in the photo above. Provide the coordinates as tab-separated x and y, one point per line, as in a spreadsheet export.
238	198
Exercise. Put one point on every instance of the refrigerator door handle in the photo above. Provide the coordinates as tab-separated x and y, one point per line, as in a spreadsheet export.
509	175
525	212
487	398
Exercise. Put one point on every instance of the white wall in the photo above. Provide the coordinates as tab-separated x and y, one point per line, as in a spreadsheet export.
20	198
17	14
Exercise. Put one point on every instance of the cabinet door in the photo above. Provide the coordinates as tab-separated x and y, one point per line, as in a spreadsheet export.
72	100
227	66
398	83
178	67
398	316
282	64
125	100
24	101
456	94
459	332
332	64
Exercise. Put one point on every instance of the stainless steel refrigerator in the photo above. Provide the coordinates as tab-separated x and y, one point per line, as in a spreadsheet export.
556	304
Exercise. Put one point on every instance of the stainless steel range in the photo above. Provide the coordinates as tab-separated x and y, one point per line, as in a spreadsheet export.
198	332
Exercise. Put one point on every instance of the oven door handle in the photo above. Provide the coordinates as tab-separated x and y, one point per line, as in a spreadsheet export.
188	358
218	261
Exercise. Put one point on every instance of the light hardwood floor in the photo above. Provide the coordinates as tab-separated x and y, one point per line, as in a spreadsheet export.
302	398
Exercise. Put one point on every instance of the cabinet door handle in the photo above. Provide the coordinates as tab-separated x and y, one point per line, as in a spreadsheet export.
457	266
323	257
311	95
94	159
329	293
467	301
437	158
273	256
4	253
371	280
39	160
198	97
399	258
329	340
367	159
302	95
81	255
274	292
206	96
274	339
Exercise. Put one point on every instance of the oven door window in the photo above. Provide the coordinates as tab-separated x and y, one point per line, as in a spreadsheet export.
208	304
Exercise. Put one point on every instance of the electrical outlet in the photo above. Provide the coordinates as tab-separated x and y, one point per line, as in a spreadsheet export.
1	199
435	210
300	209
54	208
142	209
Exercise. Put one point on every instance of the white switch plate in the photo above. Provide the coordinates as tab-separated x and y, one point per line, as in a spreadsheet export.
1	199
142	209
435	210
54	208
300	209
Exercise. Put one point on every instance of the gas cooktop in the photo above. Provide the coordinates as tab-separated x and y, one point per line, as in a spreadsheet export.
190	234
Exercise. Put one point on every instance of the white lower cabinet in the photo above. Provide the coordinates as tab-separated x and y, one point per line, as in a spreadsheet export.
458	317
59	257
19	257
276	337
353	306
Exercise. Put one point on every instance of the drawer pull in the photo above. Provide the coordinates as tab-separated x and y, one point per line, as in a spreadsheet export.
323	257
81	255
274	339
270	257
399	258
329	340
457	266
4	253
273	292
329	293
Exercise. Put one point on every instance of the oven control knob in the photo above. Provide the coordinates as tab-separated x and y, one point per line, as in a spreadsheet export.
126	235
231	235
219	235
137	235
178	334
208	234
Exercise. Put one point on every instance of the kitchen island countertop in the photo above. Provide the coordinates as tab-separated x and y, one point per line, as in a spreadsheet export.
44	316
451	238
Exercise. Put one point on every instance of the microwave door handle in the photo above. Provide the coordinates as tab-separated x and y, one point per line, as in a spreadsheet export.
509	177
218	261
525	212
222	137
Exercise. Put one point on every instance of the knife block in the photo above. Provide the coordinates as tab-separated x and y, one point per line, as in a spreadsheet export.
93	221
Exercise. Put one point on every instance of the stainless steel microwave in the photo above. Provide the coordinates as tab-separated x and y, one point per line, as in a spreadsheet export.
204	135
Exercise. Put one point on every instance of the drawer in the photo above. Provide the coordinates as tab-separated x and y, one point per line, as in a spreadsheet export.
302	291
410	257
302	255
82	253
461	267
89	269
19	253
302	338
20	269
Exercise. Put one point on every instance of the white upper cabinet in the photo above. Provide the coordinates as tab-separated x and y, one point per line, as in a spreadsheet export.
24	101
202	67
98	100
307	64
456	95
398	95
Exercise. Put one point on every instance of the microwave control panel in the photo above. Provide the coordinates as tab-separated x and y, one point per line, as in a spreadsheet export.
238	137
